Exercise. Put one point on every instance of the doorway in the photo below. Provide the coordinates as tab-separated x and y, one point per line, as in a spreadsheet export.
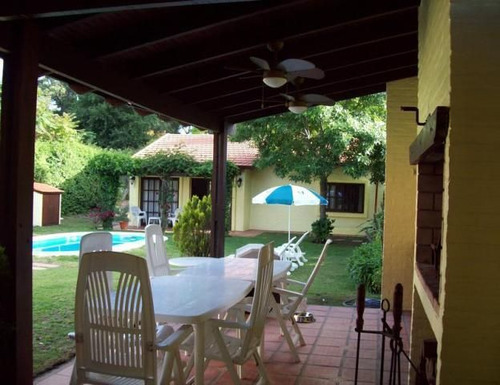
200	187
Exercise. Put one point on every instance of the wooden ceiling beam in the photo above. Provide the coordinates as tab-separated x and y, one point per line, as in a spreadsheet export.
54	8
285	24
69	64
210	76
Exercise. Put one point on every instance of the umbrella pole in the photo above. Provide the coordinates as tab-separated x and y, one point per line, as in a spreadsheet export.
289	222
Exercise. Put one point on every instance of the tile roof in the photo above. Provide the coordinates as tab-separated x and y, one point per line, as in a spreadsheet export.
200	147
45	188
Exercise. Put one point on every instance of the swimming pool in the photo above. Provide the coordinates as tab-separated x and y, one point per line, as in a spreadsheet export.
69	243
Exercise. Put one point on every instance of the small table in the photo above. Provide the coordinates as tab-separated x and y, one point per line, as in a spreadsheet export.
182	299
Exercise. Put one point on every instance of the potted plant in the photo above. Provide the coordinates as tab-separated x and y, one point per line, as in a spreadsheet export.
122	217
102	217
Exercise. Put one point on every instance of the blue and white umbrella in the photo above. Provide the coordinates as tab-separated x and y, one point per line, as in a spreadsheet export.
289	195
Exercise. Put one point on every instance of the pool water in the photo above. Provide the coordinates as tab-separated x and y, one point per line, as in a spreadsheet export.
69	243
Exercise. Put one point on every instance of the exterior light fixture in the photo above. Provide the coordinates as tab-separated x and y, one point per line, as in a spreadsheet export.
297	107
239	181
132	180
274	78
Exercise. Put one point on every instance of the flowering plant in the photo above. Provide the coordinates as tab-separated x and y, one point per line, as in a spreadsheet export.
102	217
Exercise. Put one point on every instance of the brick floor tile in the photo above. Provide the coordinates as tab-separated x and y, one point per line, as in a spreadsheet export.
317	371
364	363
363	374
328	350
314	381
317	359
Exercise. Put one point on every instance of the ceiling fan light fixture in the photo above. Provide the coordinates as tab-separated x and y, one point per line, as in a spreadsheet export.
297	107
274	78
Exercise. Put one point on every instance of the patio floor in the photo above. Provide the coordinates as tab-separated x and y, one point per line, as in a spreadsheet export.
328	358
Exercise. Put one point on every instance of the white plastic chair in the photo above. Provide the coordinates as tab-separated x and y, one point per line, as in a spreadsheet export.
240	348
156	253
291	300
139	215
282	253
116	338
294	253
96	241
173	218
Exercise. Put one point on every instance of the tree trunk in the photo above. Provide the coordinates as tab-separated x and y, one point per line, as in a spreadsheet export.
322	191
164	201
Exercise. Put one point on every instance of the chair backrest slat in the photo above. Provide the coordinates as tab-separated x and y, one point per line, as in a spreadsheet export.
156	253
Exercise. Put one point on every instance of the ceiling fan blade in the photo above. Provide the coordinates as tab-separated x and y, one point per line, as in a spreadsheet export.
313	73
291	65
317	99
261	63
288	97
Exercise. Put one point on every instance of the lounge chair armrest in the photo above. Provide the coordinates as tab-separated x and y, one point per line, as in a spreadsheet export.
228	324
294	282
285	292
175	339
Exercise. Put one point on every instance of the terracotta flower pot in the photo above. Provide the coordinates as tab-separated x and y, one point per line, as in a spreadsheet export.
123	225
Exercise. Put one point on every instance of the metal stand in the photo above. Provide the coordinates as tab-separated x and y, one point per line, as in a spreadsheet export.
394	334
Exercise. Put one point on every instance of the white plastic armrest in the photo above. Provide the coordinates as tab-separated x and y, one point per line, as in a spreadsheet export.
294	282
229	324
286	292
175	339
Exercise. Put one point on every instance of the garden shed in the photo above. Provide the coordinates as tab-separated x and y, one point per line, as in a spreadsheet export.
46	205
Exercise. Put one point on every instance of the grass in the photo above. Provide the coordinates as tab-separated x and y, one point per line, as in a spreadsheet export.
54	288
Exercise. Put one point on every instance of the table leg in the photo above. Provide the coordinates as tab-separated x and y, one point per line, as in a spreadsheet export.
199	353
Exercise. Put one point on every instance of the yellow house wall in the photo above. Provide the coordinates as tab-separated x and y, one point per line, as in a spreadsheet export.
400	191
275	217
241	203
459	63
37	208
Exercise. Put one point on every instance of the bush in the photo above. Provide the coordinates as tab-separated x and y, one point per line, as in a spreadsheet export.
321	230
192	230
365	265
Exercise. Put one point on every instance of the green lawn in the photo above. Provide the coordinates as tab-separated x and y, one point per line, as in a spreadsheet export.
54	288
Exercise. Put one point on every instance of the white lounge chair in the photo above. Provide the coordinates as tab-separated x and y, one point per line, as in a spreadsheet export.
116	337
283	254
294	253
96	241
139	215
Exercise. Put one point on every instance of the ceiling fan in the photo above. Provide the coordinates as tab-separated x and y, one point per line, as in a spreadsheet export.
277	74
299	103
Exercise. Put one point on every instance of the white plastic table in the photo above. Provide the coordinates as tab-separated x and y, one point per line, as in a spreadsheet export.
182	299
187	261
234	268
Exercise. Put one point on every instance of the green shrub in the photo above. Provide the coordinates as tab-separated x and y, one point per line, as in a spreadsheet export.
365	265
321	230
192	230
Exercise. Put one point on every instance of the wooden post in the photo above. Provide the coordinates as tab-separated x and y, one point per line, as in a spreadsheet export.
17	142
218	191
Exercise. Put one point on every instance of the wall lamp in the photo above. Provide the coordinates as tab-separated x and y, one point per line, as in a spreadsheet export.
239	181
132	180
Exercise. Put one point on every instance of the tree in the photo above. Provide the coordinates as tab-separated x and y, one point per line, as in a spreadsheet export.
310	146
104	125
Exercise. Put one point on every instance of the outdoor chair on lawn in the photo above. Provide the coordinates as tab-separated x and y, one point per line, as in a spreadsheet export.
294	253
116	337
139	215
156	252
283	254
173	218
240	348
290	302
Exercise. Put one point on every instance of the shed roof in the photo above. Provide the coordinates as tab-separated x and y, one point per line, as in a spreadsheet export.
200	147
44	188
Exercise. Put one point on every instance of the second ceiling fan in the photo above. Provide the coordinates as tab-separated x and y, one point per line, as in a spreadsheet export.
276	74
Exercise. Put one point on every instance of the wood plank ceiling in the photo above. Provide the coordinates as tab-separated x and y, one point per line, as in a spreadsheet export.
189	60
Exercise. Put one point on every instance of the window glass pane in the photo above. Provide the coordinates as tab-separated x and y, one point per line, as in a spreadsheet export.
346	197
